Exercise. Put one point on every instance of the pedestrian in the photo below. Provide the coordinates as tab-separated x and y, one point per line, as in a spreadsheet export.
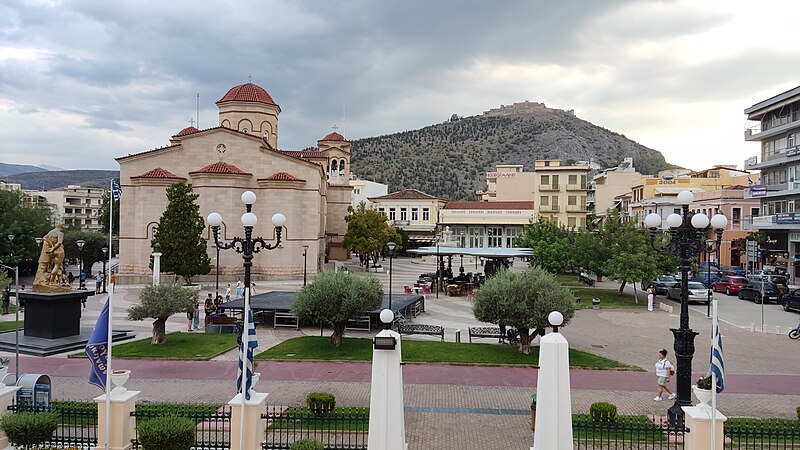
252	289
70	278
228	293
209	306
82	284
6	299
664	371
98	283
650	297
190	318
20	301
239	290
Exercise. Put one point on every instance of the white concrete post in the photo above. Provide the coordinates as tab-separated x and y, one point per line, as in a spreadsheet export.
156	268
253	433
7	394
553	403
387	429
698	419
122	426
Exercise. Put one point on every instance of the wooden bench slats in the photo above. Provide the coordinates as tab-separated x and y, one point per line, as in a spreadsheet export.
417	328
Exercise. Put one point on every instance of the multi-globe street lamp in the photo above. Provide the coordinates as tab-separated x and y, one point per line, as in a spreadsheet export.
391	246
687	239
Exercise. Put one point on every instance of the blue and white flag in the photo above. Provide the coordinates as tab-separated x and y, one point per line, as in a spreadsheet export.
116	190
749	181
97	350
246	357
717	364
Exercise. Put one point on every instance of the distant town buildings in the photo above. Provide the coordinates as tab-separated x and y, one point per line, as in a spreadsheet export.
413	211
486	224
608	185
74	205
363	190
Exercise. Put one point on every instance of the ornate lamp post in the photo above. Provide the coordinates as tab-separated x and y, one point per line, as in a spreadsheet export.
305	259
391	246
216	267
105	253
81	278
687	239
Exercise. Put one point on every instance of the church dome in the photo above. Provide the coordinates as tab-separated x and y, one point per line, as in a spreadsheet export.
334	137
187	130
247	92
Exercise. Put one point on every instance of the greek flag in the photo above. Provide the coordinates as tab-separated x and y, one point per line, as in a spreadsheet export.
97	350
246	357
749	181
717	364
116	190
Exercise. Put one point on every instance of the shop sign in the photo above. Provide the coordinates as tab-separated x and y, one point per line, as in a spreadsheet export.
494	175
794	237
787	218
758	190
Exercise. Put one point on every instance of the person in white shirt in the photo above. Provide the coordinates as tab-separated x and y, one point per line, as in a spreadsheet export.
228	293
663	372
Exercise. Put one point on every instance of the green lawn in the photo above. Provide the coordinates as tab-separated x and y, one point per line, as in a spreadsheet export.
569	279
609	298
355	349
11	326
198	346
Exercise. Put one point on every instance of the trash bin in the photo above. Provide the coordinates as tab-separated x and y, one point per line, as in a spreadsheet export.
595	303
34	392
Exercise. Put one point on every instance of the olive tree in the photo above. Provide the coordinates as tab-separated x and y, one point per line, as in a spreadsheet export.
523	300
333	298
159	302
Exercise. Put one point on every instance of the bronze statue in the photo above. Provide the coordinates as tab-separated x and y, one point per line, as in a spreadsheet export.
49	274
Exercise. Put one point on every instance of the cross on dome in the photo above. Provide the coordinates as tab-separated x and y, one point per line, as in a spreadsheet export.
335	128
191	122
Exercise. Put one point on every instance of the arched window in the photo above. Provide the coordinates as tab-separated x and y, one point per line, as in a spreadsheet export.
334	166
226	123
341	168
245	125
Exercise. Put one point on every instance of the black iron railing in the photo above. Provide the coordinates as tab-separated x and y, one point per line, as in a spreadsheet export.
77	423
340	429
762	434
625	432
213	421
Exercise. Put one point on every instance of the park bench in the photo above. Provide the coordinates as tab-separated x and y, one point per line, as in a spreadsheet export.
416	328
493	332
222	324
285	319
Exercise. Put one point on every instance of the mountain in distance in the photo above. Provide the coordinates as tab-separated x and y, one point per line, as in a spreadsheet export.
45	181
12	169
450	160
48	167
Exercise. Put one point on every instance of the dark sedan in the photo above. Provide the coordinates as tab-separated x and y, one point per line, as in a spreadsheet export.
730	285
661	284
791	301
758	292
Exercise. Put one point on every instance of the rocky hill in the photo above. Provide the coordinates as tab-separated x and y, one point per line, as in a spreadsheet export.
11	169
450	159
61	178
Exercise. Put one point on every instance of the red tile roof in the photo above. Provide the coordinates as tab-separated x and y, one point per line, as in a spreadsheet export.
158	172
281	176
303	153
489	205
334	137
221	168
147	151
187	130
406	194
247	92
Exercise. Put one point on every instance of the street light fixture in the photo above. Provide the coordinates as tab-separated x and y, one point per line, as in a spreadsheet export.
81	278
686	240
391	246
305	259
16	313
105	253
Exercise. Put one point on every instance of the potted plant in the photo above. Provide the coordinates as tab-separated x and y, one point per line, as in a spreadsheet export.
702	390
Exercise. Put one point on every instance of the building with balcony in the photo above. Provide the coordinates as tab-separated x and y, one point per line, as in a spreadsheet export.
413	211
609	184
363	190
775	124
486	224
508	182
561	192
75	205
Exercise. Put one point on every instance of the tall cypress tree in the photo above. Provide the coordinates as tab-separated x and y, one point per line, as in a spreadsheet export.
179	233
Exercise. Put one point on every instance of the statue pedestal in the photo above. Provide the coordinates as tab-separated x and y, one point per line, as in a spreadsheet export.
53	315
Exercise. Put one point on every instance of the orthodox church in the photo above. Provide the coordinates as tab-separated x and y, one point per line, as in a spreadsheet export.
310	188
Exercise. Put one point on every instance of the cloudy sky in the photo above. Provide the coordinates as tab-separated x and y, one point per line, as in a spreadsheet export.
82	82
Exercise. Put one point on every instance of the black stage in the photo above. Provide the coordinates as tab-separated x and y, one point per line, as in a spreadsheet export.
36	346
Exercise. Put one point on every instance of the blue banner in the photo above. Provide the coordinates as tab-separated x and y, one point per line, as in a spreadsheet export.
97	350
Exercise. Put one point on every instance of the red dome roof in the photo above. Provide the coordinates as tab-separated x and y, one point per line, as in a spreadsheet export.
247	92
334	137
187	130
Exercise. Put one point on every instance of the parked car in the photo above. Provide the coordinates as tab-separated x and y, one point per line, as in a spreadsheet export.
732	270
730	285
702	277
697	292
660	284
756	275
758	292
791	301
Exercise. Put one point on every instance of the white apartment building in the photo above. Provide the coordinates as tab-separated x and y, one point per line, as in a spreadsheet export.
493	224
363	190
75	204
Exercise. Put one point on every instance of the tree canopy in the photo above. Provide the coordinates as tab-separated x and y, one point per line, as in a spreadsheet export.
159	302
180	234
335	297
368	231
551	245
523	300
26	222
92	249
105	210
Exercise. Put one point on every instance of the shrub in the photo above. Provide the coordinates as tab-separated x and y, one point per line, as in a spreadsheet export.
166	433
307	444
321	403
798	413
704	382
603	412
27	429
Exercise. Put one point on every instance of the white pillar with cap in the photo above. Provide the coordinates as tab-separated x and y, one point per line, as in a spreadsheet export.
387	429
554	403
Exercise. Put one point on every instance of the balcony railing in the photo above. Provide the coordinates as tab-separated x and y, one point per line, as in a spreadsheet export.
577	187
576	208
549	208
548	187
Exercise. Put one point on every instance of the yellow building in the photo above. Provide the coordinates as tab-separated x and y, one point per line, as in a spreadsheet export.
414	211
560	192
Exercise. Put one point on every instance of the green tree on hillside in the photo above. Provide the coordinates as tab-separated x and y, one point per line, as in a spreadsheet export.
368	231
180	234
523	301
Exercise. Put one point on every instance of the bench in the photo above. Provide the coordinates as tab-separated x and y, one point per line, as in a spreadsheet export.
283	319
416	328
361	323
493	332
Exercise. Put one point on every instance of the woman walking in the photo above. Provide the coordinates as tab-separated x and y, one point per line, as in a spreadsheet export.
650	298
663	371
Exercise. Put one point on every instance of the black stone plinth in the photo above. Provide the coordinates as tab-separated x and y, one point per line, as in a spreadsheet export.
45	347
53	315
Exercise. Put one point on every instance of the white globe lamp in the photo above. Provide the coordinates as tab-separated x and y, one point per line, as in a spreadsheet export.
652	220
249	219
214	219
248	197
674	220
719	221
700	221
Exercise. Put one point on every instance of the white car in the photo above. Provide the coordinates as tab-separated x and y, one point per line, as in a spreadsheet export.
697	292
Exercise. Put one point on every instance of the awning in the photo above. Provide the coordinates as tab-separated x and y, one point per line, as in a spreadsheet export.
491	253
420	238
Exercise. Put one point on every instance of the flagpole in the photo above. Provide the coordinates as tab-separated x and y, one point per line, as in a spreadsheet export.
243	359
110	311
714	331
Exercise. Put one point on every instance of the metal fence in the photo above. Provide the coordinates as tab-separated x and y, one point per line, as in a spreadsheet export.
625	432
340	429
761	434
213	422
77	423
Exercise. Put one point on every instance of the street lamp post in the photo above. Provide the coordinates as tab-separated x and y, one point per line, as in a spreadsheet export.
391	246
81	243
708	250
216	283
16	312
305	259
686	240
105	253
438	273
